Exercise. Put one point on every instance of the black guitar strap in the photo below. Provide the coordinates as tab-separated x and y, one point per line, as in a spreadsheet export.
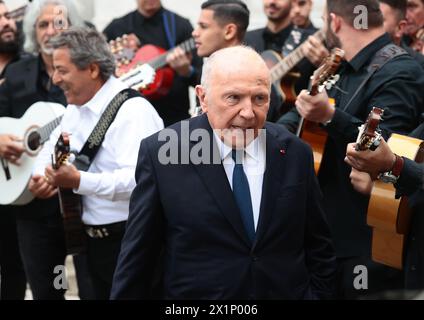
88	152
382	56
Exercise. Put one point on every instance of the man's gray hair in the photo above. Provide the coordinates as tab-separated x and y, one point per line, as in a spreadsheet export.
208	66
86	46
33	12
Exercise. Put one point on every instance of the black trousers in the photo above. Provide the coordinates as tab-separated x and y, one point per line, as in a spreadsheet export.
13	280
380	279
42	244
102	259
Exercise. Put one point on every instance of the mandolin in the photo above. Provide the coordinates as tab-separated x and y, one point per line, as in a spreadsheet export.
323	77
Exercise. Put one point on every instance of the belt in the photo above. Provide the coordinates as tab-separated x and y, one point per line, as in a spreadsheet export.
105	230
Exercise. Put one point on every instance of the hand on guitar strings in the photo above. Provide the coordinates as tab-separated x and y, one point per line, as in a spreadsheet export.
315	108
67	176
11	148
314	50
40	188
361	181
374	162
180	61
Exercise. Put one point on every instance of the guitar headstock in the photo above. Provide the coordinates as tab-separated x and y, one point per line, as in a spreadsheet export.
123	49
62	151
325	74
369	136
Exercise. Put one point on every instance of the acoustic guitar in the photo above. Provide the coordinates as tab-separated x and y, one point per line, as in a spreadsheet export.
388	216
70	203
34	127
146	70
18	14
323	77
280	67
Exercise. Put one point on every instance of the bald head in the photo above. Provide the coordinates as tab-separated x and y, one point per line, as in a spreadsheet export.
235	93
234	60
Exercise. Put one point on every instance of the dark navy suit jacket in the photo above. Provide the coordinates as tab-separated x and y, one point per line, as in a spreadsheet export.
188	213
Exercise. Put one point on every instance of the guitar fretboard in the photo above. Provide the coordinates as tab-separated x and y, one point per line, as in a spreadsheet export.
46	130
18	14
160	61
285	65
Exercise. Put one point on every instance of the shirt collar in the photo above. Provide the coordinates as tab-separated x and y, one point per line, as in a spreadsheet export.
107	92
366	54
253	150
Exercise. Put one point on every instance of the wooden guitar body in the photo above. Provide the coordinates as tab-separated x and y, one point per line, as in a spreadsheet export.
164	76
316	137
71	209
285	86
70	203
390	217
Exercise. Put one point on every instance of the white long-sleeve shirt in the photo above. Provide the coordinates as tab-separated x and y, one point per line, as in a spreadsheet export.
107	185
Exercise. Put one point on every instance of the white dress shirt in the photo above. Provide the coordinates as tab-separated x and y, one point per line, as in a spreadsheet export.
254	164
107	185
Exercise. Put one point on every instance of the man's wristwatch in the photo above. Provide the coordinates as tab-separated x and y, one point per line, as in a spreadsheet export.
392	176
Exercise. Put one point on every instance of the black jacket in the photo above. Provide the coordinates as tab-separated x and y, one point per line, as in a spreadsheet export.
411	184
190	209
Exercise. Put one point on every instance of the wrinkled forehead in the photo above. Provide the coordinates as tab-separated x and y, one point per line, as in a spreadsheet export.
228	73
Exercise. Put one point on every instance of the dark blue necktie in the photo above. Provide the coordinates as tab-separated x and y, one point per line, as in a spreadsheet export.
241	192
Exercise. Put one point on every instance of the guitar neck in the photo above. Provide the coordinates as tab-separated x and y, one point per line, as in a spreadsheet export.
46	130
160	61
285	65
18	14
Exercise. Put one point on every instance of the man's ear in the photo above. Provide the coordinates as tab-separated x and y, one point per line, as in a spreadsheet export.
400	29
335	23
201	95
94	71
230	32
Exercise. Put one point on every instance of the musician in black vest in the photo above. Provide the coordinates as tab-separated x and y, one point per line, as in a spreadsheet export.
153	24
84	68
409	181
281	36
395	86
12	275
40	228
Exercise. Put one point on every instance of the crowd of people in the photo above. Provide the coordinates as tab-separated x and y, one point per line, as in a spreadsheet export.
251	219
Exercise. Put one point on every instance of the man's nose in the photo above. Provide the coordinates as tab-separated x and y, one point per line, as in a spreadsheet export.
195	34
51	29
56	78
247	110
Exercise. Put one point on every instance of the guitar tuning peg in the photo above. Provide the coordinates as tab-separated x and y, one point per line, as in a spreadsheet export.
328	85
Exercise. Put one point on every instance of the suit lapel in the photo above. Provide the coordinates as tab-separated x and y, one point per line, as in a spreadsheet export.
216	182
275	160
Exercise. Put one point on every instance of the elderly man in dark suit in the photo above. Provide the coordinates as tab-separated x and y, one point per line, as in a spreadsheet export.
236	210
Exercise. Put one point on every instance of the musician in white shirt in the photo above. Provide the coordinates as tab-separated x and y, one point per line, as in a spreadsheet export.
83	68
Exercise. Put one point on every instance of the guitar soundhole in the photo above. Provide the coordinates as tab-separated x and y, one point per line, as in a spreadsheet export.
34	141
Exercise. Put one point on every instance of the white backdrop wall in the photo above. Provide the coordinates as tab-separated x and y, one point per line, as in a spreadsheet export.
101	12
